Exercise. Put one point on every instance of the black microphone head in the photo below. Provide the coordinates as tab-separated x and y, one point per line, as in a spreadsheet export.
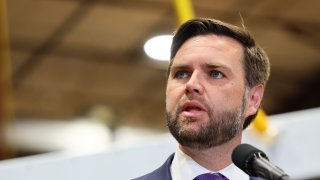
244	155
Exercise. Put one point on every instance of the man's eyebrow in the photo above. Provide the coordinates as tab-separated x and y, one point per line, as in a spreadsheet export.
221	67
207	65
180	66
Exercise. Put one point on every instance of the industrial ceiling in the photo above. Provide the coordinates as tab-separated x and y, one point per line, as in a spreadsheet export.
71	56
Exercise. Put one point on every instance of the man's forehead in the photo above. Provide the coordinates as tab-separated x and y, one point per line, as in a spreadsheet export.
219	40
215	46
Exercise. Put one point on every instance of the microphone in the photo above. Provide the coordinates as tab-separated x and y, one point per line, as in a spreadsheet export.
254	162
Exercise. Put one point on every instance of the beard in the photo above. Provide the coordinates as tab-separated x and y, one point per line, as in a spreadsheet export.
221	127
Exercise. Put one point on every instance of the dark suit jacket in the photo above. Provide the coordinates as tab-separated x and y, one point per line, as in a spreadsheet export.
163	172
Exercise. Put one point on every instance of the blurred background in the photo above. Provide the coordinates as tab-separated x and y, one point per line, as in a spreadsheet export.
77	77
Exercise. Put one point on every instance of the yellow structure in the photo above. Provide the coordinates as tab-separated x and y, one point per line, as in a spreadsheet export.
184	10
261	122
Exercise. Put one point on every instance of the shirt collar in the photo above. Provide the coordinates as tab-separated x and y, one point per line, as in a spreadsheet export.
184	167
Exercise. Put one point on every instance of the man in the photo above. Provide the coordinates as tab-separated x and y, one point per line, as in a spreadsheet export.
216	81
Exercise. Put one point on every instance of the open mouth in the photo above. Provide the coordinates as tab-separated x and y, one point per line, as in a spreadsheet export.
192	106
192	109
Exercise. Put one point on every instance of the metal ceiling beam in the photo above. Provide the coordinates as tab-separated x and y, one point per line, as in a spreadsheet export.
50	43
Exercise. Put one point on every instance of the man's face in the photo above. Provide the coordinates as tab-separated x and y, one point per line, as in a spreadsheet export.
205	96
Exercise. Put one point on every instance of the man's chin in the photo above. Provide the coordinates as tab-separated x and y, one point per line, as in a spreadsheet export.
191	123
191	129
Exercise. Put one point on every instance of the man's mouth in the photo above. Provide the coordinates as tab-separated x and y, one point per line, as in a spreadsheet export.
192	109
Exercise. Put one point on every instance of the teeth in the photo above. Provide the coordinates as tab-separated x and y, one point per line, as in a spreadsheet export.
193	110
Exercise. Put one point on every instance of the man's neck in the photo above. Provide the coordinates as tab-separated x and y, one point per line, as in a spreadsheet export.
215	158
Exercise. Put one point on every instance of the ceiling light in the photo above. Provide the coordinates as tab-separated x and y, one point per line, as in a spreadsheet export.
158	47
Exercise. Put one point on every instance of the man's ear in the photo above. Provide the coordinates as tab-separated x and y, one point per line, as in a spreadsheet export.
254	99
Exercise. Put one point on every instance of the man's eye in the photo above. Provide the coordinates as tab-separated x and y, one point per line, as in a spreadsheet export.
181	74
217	74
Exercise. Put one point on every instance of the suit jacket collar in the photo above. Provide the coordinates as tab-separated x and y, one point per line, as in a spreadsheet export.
164	173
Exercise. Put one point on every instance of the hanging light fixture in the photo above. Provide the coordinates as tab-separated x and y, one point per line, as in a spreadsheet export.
158	47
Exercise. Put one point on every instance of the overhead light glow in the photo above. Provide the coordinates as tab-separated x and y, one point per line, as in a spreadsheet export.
158	47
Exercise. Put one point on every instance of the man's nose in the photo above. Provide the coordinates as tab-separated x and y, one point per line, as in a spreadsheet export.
194	84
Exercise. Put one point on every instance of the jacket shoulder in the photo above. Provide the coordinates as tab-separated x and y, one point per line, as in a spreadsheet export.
162	173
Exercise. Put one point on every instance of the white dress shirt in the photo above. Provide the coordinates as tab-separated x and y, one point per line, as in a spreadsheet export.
184	167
